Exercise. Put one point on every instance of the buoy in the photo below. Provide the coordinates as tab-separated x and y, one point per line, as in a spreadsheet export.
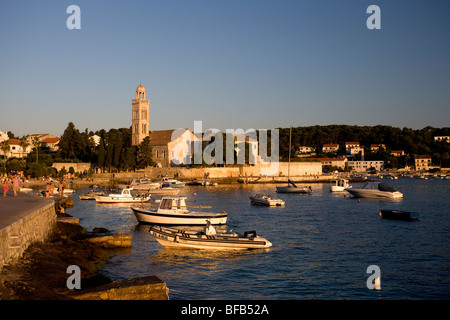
379	213
359	201
377	283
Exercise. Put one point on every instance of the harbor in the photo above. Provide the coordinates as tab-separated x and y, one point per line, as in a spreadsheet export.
322	244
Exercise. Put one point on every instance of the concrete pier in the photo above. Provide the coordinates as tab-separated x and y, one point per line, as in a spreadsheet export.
23	220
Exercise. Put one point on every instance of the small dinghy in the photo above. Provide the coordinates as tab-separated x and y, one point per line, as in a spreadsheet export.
399	215
208	239
266	200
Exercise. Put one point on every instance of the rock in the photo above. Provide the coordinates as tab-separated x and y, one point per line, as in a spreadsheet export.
143	288
99	230
122	240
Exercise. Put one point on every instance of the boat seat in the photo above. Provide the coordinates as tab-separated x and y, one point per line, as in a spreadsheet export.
250	234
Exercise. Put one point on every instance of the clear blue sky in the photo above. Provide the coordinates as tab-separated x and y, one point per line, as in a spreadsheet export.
233	64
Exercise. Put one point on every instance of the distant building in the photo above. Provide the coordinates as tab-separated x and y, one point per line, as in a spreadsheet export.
334	162
442	138
422	162
305	149
364	166
40	136
376	147
3	136
139	116
95	139
15	149
397	153
331	147
51	144
171	147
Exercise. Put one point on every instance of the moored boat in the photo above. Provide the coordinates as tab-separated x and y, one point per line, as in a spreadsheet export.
208	239
340	186
399	215
174	211
266	200
292	188
125	196
375	190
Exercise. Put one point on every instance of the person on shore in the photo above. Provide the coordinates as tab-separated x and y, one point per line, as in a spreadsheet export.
47	190
52	188
61	188
16	185
5	188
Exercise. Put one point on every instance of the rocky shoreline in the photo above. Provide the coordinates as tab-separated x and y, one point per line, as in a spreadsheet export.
41	272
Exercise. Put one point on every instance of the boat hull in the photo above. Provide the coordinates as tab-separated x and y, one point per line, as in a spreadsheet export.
103	199
267	202
399	215
374	194
291	189
192	218
190	240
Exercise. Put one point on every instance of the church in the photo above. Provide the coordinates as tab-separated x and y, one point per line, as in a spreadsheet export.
169	147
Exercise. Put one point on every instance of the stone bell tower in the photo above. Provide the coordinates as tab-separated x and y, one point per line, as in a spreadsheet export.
139	116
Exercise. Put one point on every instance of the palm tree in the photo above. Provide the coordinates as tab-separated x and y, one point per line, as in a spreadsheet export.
24	144
36	143
5	148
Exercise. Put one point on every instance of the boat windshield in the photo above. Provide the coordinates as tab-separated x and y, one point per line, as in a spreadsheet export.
378	186
384	187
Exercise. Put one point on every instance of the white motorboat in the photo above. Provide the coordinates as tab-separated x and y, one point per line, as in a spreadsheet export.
340	186
375	190
165	189
208	239
173	211
171	182
141	184
125	196
266	200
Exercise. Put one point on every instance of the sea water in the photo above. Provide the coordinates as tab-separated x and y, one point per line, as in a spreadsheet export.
323	244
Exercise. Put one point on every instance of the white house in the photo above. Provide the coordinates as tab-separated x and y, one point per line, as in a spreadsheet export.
15	149
364	166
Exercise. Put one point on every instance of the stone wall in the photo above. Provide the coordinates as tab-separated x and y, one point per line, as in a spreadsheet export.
297	169
36	226
78	166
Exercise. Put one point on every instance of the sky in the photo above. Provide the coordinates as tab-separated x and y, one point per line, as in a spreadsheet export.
232	64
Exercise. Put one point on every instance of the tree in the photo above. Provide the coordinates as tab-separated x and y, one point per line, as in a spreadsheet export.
5	148
144	154
24	144
36	143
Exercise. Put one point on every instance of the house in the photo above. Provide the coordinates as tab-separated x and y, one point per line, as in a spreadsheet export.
40	136
376	147
442	138
364	166
171	147
305	149
51	144
15	149
352	148
350	145
332	147
422	162
3	136
95	139
397	153
334	162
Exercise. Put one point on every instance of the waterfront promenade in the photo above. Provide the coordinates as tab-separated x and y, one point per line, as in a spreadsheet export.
23	220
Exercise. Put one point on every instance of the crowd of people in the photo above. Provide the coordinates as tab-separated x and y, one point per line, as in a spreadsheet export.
16	180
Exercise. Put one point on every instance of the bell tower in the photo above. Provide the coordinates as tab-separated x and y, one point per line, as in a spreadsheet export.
140	116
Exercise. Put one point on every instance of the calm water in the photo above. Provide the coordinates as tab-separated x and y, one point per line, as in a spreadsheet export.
322	245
